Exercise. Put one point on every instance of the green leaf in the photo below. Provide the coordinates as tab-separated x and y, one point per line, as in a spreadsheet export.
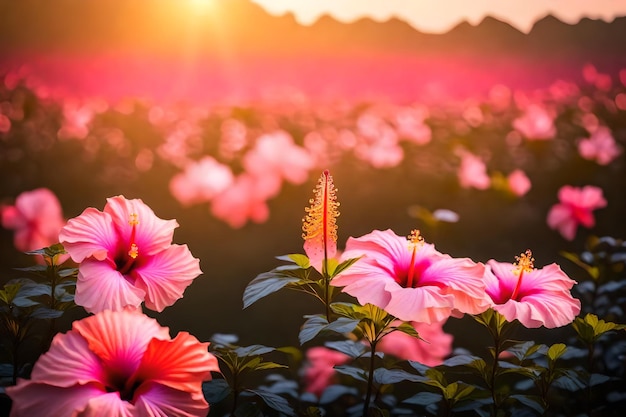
464	391
9	291
393	376
268	365
333	392
531	401
555	351
315	324
348	347
274	401
301	260
356	373
460	360
46	313
526	350
244	351
265	284
34	268
215	390
570	380
342	267
424	398
346	310
591	328
407	328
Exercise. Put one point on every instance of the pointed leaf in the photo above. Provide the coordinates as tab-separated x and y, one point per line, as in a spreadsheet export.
317	324
556	351
407	328
215	390
269	365
356	373
393	376
424	398
531	401
265	284
299	259
343	266
348	347
333	392
274	401
251	350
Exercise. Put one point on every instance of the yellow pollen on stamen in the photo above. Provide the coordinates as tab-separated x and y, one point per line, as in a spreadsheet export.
134	219
134	251
321	216
524	263
415	239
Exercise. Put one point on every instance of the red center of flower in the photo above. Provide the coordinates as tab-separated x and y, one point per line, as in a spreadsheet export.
124	385
525	263
133	249
415	242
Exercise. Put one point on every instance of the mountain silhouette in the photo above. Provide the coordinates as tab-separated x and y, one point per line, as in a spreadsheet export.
236	44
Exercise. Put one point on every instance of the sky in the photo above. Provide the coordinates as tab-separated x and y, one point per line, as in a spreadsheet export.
437	16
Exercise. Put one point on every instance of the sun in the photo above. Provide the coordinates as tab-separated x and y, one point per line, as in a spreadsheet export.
202	6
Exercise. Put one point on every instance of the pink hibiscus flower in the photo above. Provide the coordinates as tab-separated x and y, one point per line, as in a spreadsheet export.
472	172
575	207
117	364
36	218
246	199
275	156
431	351
126	256
537	123
535	297
319	371
201	181
410	279
519	183
600	147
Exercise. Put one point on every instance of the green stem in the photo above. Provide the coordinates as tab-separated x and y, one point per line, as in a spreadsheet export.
494	371
370	378
235	395
15	362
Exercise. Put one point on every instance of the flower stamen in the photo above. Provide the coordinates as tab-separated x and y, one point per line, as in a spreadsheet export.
524	263
319	225
416	241
133	251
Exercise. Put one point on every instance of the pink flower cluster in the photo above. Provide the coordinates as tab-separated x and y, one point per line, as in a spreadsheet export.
36	219
119	362
412	281
575	208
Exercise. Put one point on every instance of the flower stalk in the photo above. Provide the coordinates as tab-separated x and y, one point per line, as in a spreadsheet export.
319	227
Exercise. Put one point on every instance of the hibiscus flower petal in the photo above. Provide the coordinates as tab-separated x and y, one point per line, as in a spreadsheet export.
182	363
109	404
68	362
152	233
165	276
89	234
120	338
33	399
100	287
423	304
155	400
